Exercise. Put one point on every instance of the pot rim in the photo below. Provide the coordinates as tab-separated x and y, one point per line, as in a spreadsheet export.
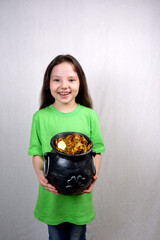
64	134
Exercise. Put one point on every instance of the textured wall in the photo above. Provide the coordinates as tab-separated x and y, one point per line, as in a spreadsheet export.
117	43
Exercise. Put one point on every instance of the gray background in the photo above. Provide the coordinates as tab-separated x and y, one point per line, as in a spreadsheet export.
117	44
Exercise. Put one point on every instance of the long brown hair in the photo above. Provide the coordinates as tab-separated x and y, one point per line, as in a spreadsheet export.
83	96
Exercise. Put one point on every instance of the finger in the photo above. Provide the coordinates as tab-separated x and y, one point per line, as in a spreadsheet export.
52	191
43	182
42	178
88	190
49	187
95	177
52	188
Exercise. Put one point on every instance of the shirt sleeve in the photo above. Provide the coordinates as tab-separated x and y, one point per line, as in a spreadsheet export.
35	147
96	136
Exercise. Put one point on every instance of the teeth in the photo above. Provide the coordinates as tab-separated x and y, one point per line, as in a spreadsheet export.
63	93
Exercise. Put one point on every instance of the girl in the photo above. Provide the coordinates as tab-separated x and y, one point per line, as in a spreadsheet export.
65	106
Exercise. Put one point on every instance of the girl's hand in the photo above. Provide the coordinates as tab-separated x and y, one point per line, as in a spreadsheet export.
88	190
97	164
44	182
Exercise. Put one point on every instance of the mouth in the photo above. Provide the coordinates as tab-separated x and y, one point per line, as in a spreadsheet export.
63	94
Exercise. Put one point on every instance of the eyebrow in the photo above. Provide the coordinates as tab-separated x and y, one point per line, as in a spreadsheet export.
68	77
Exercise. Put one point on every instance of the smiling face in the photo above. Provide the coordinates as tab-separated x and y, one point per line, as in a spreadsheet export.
64	84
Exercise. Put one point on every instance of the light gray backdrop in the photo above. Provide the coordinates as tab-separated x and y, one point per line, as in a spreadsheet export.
117	43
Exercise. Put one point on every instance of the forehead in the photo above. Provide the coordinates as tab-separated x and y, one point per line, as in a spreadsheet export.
64	69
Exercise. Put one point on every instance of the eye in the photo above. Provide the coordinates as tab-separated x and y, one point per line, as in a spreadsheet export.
56	80
71	80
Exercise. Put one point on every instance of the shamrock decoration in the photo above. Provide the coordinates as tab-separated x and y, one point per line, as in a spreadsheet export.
75	182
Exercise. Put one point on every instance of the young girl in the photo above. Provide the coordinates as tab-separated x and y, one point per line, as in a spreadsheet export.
65	106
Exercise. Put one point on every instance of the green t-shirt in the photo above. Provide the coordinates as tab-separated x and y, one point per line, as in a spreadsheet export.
54	209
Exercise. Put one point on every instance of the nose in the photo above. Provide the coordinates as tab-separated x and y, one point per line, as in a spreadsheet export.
64	84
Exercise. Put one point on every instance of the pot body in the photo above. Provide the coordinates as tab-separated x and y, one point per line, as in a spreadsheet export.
69	174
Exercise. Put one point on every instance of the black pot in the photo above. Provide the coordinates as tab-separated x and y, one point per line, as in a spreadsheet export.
69	174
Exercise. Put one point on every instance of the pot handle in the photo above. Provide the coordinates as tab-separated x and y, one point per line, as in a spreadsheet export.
46	163
93	153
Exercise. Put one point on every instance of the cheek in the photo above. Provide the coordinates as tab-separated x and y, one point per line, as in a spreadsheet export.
52	86
77	87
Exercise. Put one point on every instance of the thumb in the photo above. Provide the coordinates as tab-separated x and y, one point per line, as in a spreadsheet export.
45	180
95	177
42	177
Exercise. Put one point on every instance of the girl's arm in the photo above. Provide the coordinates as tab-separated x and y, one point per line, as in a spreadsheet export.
38	164
98	164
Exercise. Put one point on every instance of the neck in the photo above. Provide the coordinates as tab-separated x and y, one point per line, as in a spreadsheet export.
66	108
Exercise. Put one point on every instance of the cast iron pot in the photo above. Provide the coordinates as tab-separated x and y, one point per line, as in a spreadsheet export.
69	174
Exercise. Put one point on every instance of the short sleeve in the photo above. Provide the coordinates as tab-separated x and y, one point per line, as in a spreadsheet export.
35	147
96	136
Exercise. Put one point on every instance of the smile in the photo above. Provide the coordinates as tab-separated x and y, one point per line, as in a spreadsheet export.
64	93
